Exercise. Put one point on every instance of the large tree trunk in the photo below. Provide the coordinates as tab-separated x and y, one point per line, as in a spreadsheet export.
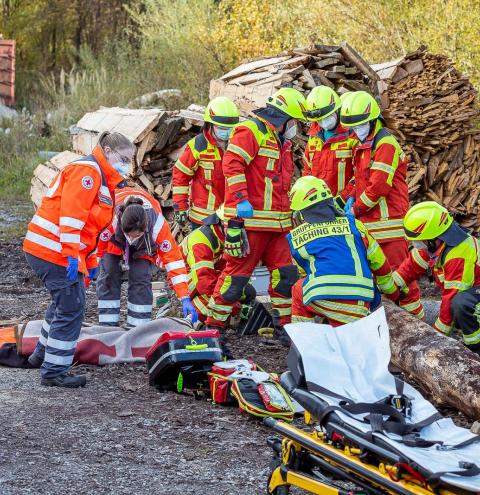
441	365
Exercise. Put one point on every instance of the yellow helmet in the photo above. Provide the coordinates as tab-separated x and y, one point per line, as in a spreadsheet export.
322	102
358	108
308	191
426	221
290	101
221	212
344	96
222	111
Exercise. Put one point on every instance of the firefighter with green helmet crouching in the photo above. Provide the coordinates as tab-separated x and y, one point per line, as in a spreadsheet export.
453	255
341	259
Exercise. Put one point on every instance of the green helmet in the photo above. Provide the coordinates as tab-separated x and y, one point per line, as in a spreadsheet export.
308	191
358	108
222	111
322	102
426	221
344	96
290	101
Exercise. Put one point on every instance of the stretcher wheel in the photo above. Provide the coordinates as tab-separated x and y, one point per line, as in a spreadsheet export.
281	490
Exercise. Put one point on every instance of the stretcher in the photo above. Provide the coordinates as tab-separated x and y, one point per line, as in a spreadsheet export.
366	431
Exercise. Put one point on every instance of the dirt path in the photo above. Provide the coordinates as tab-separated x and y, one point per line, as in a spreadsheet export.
118	435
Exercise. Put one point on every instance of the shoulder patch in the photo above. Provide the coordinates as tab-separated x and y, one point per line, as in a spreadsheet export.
200	143
165	246
87	182
106	235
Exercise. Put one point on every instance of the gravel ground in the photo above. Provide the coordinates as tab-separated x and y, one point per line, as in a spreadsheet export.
118	435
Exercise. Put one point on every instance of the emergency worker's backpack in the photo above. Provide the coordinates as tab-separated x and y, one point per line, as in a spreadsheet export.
221	384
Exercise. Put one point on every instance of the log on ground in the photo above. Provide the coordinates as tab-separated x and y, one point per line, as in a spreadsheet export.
441	365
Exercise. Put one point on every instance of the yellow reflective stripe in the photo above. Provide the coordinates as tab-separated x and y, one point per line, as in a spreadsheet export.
275	154
211	198
201	307
383	208
181	189
271	164
240	152
386	284
301	319
384	167
281	300
284	311
338	315
236	179
419	259
360	309
413	306
367	201
472	338
183	168
399	280
340	279
439	325
267	198
353	250
202	264
390	224
341	176
267	214
455	284
388	234
343	153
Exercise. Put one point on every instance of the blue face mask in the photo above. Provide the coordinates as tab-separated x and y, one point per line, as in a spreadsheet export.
222	134
122	168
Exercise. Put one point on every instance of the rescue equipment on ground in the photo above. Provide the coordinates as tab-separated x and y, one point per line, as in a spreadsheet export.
257	392
180	360
366	427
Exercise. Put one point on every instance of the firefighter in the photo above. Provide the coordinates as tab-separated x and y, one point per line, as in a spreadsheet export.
379	187
328	154
198	180
60	246
203	253
338	255
138	237
258	166
454	257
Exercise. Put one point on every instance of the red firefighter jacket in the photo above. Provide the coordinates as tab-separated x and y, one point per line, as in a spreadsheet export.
77	206
198	181
258	167
156	245
330	160
455	269
381	191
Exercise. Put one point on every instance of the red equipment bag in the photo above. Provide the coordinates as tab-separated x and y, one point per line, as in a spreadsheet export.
180	360
219	382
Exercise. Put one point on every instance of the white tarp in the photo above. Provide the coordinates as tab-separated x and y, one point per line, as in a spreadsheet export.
351	361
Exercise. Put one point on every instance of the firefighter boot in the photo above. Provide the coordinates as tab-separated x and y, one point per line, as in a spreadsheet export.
65	380
279	332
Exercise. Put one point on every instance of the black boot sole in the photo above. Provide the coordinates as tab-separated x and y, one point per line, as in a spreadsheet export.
49	383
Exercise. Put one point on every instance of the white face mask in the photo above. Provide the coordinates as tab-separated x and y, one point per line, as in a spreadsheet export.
291	132
330	122
362	131
132	241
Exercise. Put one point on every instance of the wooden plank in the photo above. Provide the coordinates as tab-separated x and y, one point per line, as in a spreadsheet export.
350	54
248	67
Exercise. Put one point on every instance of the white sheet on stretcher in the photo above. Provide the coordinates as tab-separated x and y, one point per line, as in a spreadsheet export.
352	361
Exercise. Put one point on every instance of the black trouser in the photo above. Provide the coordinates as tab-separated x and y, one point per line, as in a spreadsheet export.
140	295
466	316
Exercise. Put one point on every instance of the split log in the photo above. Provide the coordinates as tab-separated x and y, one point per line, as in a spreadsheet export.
441	365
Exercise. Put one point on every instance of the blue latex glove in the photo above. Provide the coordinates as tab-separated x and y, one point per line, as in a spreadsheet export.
189	309
92	273
348	205
244	209
72	268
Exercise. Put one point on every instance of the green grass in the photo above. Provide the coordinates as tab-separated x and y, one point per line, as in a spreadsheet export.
20	142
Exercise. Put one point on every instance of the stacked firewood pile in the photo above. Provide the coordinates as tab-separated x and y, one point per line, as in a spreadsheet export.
426	102
432	109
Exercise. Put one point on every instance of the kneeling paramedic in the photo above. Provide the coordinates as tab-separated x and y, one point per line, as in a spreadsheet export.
60	246
453	255
203	253
258	166
198	180
338	255
138	237
379	188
